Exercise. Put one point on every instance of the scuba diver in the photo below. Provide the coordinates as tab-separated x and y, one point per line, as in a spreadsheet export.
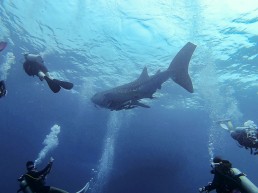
34	66
3	90
34	181
227	179
246	136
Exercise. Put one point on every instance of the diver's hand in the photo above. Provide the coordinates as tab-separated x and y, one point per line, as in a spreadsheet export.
202	189
51	160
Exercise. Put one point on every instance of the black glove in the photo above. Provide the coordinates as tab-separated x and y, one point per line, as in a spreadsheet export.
202	189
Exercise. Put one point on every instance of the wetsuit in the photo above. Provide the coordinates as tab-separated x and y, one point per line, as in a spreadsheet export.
244	140
36	179
224	181
2	89
34	65
32	68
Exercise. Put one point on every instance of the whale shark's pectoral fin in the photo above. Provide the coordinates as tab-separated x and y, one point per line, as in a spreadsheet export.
151	96
137	103
132	104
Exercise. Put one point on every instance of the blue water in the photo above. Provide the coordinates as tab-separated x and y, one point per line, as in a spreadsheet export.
101	44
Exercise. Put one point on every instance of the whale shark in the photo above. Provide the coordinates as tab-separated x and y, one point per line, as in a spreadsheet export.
128	96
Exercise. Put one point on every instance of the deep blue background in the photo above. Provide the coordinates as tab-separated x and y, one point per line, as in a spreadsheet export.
156	150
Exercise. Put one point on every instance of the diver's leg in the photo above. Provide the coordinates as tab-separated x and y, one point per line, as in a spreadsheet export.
56	190
48	75
41	75
230	125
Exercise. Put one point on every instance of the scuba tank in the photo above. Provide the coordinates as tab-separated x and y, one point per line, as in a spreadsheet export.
85	188
246	185
34	58
24	186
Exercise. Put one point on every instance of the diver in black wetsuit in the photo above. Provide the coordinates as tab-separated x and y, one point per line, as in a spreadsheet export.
246	135
34	66
224	180
245	140
35	179
228	179
3	90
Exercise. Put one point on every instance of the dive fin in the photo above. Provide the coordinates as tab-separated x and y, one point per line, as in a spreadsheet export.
64	84
52	85
85	188
179	67
224	126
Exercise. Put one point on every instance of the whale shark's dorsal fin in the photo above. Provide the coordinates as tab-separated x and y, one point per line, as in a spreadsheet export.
144	75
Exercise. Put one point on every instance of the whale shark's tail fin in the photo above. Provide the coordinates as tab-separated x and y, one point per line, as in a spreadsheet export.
179	67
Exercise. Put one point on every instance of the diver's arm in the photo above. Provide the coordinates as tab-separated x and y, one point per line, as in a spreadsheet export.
241	128
209	187
213	185
46	170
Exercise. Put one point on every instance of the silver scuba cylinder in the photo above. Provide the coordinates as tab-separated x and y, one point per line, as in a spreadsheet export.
85	188
24	186
246	184
34	58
